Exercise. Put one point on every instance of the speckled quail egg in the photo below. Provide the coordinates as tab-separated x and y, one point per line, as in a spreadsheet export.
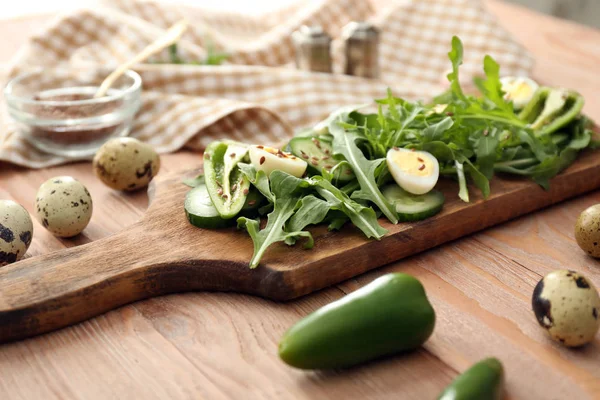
567	305
126	163
16	231
63	206
587	230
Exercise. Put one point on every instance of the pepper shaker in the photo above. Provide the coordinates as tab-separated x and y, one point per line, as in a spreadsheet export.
361	40
312	45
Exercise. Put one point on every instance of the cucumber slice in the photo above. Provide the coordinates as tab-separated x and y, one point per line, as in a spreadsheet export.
201	212
318	154
413	207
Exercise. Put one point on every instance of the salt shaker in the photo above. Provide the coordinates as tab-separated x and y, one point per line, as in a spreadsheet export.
312	45
361	40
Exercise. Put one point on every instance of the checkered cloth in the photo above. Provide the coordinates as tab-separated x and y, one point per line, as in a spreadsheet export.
257	95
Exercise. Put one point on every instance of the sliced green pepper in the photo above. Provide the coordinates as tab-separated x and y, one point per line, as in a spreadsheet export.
390	315
226	184
483	381
551	109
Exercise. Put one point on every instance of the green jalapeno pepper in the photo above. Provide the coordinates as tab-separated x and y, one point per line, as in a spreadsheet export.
483	381
226	184
390	315
551	109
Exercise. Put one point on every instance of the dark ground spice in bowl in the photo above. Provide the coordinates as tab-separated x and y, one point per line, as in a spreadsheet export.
69	134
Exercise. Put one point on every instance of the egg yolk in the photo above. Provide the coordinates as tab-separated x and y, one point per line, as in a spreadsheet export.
413	163
518	90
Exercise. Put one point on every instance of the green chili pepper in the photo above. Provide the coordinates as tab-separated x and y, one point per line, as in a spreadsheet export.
483	381
551	109
390	315
226	184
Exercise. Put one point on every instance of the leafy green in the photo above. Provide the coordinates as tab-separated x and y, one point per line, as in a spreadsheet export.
258	179
364	218
282	189
310	211
195	181
491	87
273	232
436	131
213	56
344	143
456	58
486	153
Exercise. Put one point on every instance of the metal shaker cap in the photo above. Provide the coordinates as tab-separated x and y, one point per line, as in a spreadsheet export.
312	45
361	41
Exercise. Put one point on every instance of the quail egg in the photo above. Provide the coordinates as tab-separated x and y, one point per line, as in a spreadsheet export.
126	164
587	230
567	305
16	231
417	172
63	206
269	159
518	89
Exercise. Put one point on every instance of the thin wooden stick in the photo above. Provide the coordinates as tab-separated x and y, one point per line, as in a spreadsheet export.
172	35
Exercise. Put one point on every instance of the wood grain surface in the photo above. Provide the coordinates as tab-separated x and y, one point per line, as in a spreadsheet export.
219	345
60	288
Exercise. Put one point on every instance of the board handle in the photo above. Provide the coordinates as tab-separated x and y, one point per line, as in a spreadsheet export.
54	290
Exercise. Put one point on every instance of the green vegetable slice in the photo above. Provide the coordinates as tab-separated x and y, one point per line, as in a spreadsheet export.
227	185
411	207
200	210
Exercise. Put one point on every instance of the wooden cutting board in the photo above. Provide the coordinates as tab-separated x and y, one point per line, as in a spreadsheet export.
163	253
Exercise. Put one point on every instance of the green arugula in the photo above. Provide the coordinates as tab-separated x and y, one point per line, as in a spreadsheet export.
310	210
282	187
344	143
364	218
258	179
195	181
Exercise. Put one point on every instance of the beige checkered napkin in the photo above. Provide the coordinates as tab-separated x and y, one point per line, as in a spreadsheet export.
257	96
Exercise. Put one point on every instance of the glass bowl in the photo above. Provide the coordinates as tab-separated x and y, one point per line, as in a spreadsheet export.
56	112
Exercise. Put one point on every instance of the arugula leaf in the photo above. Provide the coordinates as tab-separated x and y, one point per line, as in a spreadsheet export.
456	58
409	119
193	182
282	190
258	179
391	103
491	87
344	143
364	218
486	152
463	191
286	185
323	126
337	220
436	131
480	180
273	232
439	150
310	211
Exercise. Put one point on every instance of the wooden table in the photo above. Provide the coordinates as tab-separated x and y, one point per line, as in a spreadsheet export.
216	345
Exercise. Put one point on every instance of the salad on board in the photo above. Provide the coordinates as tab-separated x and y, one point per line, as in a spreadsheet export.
354	167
